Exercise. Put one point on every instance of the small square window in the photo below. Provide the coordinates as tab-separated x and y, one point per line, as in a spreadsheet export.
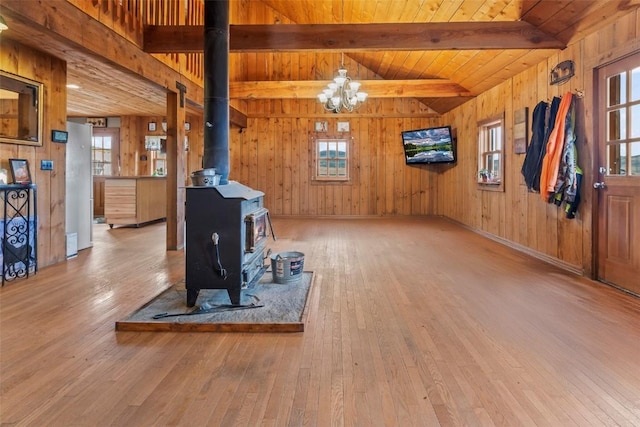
331	161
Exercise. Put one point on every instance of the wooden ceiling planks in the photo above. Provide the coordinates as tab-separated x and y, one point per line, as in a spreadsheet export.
474	70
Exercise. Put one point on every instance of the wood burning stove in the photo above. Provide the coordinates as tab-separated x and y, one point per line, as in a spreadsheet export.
226	237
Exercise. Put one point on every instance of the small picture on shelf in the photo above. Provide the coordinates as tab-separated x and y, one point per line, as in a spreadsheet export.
20	171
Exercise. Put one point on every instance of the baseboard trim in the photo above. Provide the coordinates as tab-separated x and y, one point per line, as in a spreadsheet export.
526	250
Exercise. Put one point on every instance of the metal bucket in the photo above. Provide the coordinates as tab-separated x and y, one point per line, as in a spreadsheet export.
205	177
287	267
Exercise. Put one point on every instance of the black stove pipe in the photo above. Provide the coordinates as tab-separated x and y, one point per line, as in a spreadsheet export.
216	87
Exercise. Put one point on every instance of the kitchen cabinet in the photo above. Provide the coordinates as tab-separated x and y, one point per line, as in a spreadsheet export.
134	200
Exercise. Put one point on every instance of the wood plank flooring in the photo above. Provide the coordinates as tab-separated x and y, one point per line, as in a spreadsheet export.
412	322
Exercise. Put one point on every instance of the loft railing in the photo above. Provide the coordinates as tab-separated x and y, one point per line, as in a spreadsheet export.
128	18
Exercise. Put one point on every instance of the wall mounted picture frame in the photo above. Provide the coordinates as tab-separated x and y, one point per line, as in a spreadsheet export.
520	127
187	126
151	126
322	126
20	171
343	127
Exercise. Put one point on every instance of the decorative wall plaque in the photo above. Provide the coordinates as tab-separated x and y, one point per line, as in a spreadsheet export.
520	130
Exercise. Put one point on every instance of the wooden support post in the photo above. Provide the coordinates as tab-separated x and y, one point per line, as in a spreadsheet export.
175	172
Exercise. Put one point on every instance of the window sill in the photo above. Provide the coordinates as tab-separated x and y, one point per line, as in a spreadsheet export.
490	186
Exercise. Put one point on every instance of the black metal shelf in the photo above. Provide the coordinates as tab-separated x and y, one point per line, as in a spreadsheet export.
19	233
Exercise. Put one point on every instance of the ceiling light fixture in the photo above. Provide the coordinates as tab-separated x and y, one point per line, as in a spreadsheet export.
343	93
3	24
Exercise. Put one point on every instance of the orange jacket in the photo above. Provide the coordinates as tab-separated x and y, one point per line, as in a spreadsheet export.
555	146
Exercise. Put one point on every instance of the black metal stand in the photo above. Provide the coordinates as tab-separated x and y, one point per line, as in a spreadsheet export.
19	231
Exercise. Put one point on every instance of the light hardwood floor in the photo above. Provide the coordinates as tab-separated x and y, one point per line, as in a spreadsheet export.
411	322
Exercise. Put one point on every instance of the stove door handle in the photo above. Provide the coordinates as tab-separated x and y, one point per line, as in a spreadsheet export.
222	272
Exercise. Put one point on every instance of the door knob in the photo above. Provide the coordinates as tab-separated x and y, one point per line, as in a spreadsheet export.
599	185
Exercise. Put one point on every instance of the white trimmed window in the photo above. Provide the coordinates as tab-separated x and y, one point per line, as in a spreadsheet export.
491	153
101	154
331	159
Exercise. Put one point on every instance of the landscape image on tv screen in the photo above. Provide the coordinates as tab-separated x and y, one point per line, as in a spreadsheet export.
430	145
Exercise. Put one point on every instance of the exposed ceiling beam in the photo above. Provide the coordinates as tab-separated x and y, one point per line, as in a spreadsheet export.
355	37
428	88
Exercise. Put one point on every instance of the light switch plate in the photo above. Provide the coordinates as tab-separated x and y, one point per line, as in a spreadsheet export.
46	165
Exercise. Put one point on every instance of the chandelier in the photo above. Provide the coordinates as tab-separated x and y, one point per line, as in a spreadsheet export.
342	93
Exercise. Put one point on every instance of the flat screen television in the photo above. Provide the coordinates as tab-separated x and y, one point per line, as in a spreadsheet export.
429	145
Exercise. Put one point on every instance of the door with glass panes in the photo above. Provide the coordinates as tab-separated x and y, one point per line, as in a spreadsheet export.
618	174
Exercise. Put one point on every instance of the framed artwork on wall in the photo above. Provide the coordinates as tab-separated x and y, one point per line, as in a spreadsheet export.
322	126
520	131
343	127
20	171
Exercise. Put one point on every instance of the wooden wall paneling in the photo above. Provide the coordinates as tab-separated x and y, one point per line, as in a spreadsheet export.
356	159
371	166
365	153
248	140
294	164
525	96
51	208
287	167
401	174
395	169
272	166
378	174
306	127
266	159
412	175
235	153
350	190
506	202
279	154
471	118
409	176
253	163
144	159
128	145
442	202
56	106
262	138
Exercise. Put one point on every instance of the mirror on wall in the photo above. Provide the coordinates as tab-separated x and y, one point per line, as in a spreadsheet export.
20	110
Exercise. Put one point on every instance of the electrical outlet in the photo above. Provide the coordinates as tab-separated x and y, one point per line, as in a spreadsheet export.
46	165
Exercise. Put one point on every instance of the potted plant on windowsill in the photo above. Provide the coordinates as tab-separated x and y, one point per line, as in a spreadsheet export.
484	175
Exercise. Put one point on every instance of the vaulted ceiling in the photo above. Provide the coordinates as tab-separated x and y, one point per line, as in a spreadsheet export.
504	38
